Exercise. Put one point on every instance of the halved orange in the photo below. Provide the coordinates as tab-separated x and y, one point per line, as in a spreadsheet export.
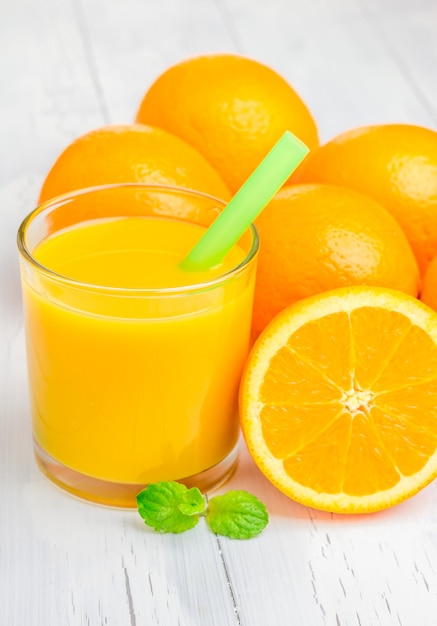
338	400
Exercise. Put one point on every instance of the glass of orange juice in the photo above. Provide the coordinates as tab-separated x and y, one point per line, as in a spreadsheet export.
134	364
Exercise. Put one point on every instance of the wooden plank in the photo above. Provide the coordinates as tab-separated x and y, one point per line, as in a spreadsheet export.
51	98
312	567
409	33
131	43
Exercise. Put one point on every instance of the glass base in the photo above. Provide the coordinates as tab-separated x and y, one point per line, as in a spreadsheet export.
123	495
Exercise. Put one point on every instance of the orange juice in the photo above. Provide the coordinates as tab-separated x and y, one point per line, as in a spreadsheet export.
134	364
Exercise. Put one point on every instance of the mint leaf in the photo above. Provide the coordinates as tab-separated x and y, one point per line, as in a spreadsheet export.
237	514
193	502
169	507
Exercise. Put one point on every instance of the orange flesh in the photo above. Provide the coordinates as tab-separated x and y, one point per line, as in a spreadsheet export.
341	420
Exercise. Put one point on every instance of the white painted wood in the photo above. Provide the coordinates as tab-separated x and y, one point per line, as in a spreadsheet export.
311	567
146	38
409	34
67	66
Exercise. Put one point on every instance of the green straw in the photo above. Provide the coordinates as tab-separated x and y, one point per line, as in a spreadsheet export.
247	203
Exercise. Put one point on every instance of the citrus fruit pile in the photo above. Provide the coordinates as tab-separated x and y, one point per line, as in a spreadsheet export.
339	395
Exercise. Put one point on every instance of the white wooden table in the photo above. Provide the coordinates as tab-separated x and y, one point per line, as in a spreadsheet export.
66	67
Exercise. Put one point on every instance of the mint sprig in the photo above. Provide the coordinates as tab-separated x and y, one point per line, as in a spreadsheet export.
170	507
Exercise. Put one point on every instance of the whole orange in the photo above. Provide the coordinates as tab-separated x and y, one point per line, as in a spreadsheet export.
396	164
131	153
429	285
231	108
315	238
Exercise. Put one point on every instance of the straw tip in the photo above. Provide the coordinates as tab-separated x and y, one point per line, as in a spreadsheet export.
294	142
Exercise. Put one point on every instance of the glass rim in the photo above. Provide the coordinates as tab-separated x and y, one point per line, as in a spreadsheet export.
129	291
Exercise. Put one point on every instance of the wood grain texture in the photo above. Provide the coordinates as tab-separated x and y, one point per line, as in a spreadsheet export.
68	66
